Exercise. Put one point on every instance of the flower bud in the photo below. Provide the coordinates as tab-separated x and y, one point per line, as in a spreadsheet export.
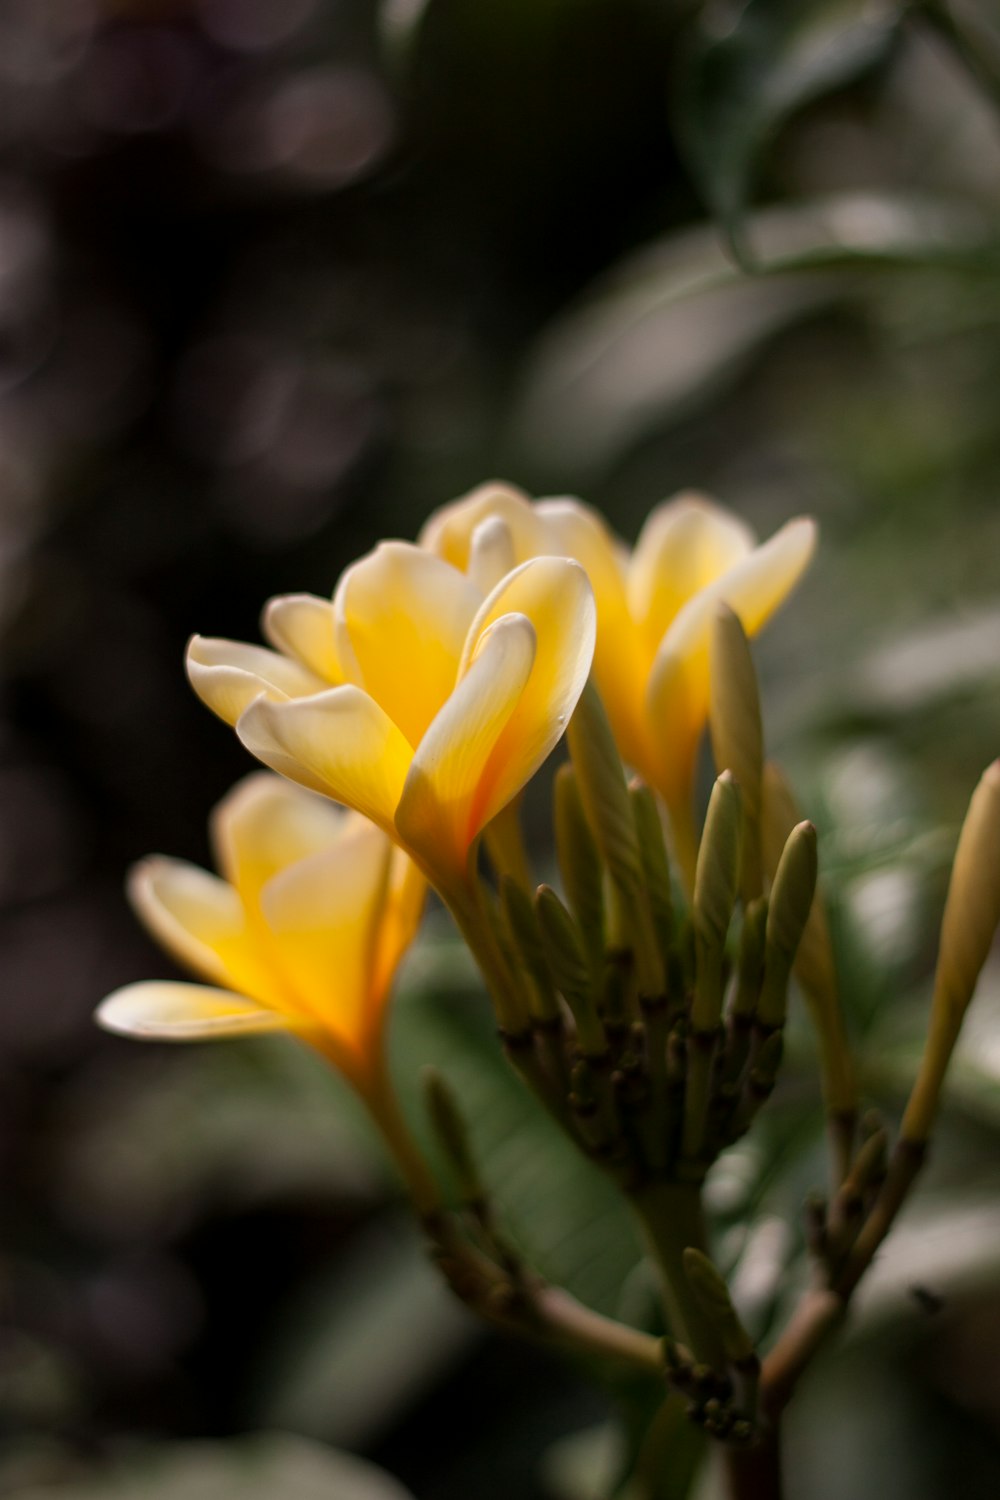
787	913
568	964
737	733
715	885
971	914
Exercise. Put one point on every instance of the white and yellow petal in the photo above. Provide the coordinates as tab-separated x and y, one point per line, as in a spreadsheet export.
339	742
449	531
685	545
301	627
451	787
229	675
402	616
323	914
555	595
574	530
164	1011
198	918
267	823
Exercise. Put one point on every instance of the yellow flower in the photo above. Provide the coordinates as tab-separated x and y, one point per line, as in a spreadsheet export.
304	932
417	697
655	607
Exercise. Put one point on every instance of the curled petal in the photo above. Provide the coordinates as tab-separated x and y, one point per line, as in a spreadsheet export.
228	675
491	556
160	1011
198	918
554	593
266	823
402	615
451	788
685	545
449	531
301	626
340	743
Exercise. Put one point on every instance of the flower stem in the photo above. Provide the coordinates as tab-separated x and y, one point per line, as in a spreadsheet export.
672	1221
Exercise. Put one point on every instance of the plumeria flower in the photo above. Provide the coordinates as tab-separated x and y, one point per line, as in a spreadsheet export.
655	607
418	697
303	931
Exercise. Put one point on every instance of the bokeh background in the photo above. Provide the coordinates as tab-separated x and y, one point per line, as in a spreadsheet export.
277	277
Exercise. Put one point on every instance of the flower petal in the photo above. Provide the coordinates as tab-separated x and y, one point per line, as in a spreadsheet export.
324	913
677	695
572	529
405	898
195	916
684	546
228	675
301	626
554	593
449	531
162	1011
340	743
402	615
491	556
265	824
450	790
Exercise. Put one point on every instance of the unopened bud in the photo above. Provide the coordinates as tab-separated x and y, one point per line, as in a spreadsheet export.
450	1130
750	964
655	865
608	806
814	965
579	861
710	1289
715	885
787	913
737	734
568	965
971	915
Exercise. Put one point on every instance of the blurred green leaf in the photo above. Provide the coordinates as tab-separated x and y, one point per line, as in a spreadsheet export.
746	67
257	1468
361	1343
678	320
568	1218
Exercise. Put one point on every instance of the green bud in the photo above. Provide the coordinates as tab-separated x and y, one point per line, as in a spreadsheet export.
787	913
814	965
655	866
971	915
737	733
579	862
710	1289
570	970
452	1135
606	802
750	964
522	927
715	884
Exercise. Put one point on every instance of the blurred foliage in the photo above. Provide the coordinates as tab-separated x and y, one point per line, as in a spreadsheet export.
278	276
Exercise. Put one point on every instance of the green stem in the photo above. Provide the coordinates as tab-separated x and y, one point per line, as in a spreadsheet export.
672	1221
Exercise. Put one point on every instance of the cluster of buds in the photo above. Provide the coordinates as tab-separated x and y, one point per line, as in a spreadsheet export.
645	1003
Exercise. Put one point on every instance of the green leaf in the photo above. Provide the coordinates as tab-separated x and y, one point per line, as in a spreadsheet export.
570	1220
677	321
746	68
360	1343
257	1468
